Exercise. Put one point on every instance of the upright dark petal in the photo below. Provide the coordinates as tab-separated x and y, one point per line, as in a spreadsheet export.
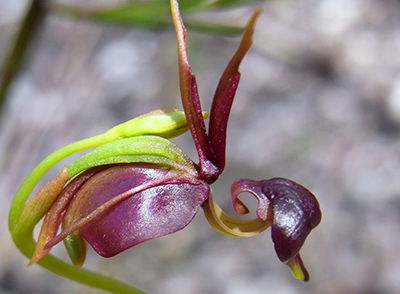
224	95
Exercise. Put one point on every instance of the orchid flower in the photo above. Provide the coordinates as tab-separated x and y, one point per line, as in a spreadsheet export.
135	185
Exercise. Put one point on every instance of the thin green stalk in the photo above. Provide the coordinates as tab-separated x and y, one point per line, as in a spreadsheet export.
22	234
164	123
24	214
38	172
26	245
34	14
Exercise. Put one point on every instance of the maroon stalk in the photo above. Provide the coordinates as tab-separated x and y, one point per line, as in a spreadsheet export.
191	101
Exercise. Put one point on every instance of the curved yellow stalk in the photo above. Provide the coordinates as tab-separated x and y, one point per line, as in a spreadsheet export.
230	226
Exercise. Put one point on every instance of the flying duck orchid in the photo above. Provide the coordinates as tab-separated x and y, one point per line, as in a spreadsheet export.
135	185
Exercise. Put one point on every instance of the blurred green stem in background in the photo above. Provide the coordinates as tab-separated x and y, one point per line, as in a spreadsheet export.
34	14
152	15
25	214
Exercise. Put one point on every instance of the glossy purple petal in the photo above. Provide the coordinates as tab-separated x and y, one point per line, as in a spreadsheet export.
160	209
294	211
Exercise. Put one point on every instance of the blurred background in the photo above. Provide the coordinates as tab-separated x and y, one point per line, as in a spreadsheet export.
319	103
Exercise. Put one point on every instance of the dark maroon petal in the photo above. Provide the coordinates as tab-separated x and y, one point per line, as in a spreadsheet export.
220	111
255	188
224	95
156	211
296	212
293	209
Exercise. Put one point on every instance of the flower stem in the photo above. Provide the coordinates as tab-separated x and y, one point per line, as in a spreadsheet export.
38	172
24	214
22	233
26	245
163	123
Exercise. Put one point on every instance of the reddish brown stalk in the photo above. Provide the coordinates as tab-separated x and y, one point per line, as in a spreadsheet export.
191	100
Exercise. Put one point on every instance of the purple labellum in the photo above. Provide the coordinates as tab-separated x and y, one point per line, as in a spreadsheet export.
166	204
293	210
295	213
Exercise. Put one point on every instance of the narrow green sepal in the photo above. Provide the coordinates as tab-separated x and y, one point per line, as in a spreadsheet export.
34	209
146	149
76	249
165	123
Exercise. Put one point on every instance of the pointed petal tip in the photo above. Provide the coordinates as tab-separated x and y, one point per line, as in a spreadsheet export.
256	14
249	29
36	257
299	271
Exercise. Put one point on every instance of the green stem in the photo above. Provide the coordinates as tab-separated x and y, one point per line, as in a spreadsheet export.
163	123
23	234
33	16
24	215
26	245
38	172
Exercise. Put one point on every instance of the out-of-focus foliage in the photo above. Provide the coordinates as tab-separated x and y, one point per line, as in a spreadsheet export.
226	3
154	14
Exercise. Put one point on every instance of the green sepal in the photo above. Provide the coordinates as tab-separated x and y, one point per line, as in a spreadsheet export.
166	123
35	208
76	249
145	149
163	122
